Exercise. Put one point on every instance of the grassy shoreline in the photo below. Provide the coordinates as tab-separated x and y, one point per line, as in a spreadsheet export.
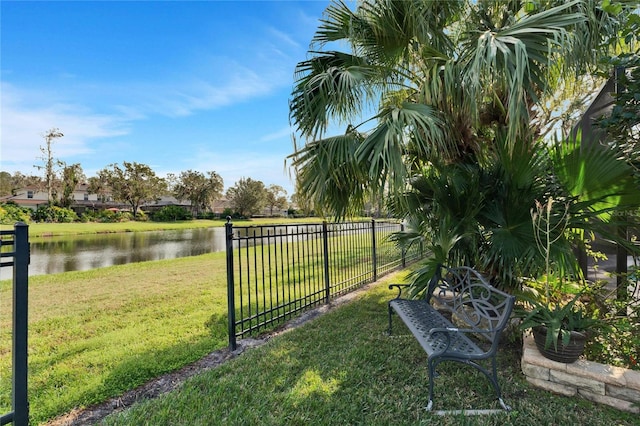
96	334
44	230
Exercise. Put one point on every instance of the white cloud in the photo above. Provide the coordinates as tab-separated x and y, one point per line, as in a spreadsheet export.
26	116
283	37
88	110
285	132
213	83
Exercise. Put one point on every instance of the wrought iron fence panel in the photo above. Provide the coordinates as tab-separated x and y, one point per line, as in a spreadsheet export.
277	271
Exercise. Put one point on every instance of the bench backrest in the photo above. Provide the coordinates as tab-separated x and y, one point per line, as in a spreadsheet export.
471	299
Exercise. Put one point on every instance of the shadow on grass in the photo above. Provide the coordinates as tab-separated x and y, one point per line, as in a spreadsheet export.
342	368
135	375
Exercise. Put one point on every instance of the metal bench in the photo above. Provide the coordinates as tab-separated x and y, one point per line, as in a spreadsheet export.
473	304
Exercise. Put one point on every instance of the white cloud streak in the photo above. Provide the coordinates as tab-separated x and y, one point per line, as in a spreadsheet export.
25	120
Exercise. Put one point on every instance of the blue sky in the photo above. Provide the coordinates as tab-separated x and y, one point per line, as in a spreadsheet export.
174	85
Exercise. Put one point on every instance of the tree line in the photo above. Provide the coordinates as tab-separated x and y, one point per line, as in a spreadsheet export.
136	184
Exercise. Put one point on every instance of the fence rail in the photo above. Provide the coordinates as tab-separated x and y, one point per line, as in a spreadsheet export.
277	271
18	257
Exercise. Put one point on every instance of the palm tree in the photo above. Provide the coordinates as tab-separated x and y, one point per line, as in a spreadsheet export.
435	73
454	88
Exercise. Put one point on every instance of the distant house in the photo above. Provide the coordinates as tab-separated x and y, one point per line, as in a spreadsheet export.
167	200
29	196
33	197
219	206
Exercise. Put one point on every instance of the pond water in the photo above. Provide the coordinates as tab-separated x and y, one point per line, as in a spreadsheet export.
83	252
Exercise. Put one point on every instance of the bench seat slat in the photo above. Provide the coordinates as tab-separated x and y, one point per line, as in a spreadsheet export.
420	317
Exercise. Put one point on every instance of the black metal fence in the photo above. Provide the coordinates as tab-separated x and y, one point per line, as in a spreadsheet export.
277	271
17	240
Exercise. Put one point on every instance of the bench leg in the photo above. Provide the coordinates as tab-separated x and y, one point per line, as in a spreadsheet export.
493	378
503	405
390	313
497	385
431	367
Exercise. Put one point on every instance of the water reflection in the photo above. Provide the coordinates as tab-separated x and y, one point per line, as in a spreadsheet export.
84	252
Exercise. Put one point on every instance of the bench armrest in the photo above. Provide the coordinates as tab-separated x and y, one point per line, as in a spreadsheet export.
399	287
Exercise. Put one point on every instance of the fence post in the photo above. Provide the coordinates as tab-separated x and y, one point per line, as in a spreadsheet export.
404	250
325	249
231	304
373	250
20	401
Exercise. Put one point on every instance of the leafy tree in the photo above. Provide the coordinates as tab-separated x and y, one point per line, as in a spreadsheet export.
201	190
247	197
302	200
98	185
18	180
623	124
133	184
458	92
6	186
447	78
276	197
71	176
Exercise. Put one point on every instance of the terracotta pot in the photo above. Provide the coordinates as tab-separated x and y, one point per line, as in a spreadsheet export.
564	353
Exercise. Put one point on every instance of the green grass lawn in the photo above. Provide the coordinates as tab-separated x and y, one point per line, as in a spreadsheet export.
97	334
342	369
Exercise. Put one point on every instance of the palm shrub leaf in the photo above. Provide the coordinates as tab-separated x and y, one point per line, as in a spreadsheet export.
599	183
328	167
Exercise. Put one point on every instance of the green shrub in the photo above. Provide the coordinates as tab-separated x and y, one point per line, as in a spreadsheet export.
620	344
88	216
141	216
11	213
171	214
207	216
124	216
107	216
55	214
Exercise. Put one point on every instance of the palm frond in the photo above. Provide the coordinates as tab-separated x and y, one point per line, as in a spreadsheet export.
511	58
331	85
595	174
337	24
384	149
328	172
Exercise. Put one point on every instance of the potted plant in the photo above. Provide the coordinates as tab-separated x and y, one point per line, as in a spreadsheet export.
557	319
559	329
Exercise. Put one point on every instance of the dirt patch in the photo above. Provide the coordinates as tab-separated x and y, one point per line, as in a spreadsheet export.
171	381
